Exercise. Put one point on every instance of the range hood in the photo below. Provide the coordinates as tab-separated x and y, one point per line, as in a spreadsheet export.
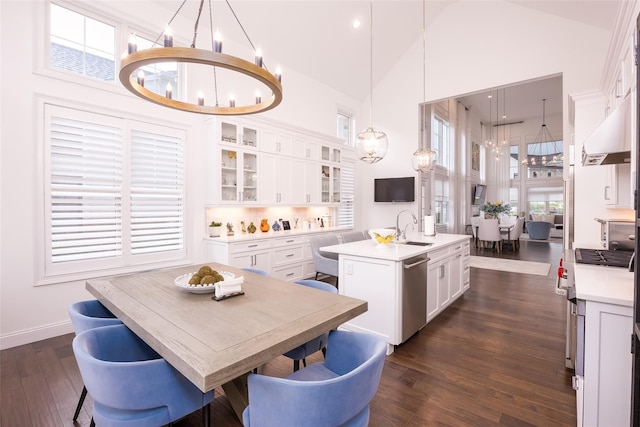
610	143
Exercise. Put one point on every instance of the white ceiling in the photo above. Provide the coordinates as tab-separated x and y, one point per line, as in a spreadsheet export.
316	38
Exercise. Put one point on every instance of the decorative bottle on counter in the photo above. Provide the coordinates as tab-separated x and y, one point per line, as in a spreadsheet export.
251	228
264	225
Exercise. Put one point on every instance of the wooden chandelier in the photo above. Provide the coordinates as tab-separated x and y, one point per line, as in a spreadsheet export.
136	60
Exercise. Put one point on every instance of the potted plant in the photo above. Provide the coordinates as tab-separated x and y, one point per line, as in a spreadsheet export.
215	228
492	210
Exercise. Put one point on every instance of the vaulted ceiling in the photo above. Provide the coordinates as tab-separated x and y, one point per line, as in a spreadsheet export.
317	39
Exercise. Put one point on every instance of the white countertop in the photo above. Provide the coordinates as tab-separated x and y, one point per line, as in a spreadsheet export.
396	251
611	285
239	236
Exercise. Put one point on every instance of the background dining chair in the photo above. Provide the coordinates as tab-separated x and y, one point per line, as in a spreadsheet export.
352	236
131	385
475	223
332	393
516	232
489	231
87	315
256	270
324	262
320	343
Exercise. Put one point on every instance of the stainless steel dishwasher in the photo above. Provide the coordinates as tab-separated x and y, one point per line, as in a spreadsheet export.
414	295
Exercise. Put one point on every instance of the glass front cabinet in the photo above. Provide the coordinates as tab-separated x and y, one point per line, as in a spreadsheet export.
232	148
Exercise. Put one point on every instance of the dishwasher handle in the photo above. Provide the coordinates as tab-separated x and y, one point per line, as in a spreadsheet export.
422	261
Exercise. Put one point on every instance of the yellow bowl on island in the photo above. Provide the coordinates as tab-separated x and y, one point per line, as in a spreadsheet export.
383	236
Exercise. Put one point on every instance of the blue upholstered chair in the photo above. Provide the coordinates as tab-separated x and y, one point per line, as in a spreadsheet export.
538	230
87	315
256	270
333	393
323	262
131	384
320	343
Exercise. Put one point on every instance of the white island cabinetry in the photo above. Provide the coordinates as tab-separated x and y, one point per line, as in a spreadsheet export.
603	392
375	273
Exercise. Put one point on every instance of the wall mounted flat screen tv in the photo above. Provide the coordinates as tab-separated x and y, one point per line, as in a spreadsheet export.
394	189
479	194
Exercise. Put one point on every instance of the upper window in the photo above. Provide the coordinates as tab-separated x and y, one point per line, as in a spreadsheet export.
514	163
157	76
344	128
440	141
113	191
81	44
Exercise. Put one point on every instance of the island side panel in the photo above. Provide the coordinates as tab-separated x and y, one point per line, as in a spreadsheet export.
378	282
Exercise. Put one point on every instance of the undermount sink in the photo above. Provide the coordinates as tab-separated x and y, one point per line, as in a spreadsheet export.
418	243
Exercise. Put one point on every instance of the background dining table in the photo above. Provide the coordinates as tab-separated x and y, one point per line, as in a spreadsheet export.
216	343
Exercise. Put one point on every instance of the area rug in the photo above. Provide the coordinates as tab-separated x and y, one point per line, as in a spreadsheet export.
510	265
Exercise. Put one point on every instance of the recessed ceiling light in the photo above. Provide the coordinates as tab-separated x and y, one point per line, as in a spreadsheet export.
356	23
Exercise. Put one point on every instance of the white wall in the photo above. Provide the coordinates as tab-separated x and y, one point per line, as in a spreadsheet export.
30	313
466	54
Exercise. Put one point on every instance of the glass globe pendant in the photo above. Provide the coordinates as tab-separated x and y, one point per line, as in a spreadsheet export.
372	145
423	160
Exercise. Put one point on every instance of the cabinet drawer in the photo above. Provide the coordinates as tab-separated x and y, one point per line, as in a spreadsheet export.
288	241
253	245
287	255
289	273
439	253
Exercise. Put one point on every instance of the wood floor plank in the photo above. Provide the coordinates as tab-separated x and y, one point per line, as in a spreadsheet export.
495	357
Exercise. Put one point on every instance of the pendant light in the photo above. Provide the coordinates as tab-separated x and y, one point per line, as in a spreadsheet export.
544	151
372	144
424	159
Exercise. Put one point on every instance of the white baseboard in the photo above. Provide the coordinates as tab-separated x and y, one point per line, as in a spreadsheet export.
29	336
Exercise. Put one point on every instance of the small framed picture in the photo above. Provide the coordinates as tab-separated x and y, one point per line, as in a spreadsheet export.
286	225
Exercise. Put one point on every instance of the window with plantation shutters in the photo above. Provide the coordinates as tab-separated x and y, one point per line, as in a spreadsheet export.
346	209
156	219
113	192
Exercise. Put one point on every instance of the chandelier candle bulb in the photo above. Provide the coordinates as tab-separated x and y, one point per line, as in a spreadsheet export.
168	91
200	99
140	78
232	101
258	98
279	74
217	42
132	46
168	38
259	57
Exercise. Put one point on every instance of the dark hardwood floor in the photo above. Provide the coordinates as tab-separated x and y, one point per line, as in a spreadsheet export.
494	358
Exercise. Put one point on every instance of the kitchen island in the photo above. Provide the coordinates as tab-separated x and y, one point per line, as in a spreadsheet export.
603	376
405	284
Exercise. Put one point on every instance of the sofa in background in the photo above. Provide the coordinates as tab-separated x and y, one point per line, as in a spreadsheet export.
555	220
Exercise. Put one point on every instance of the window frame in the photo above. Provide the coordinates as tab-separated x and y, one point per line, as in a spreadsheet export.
47	272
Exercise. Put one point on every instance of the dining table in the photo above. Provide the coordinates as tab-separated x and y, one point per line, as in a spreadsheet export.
218	342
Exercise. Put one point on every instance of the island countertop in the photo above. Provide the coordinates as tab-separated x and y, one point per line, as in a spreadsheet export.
611	285
396	251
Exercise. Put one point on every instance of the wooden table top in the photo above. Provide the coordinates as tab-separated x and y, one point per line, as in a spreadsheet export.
213	342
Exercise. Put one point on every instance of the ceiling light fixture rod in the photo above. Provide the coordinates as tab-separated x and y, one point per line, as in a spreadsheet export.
371	65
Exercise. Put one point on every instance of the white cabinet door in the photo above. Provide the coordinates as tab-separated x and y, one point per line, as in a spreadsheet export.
457	272
433	271
276	178
607	364
444	284
276	141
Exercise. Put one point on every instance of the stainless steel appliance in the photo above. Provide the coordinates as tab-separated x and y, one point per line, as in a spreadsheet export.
605	257
414	295
617	234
